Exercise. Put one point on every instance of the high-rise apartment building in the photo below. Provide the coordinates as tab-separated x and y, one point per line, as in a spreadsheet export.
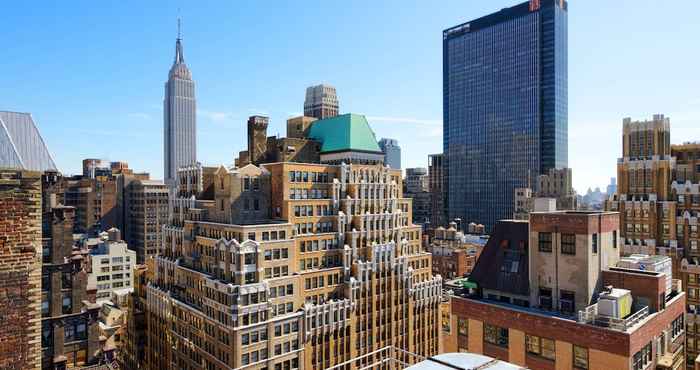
322	267
504	106
179	116
146	202
553	293
321	102
436	188
392	152
20	269
658	198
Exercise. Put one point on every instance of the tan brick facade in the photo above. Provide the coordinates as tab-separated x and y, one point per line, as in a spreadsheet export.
336	271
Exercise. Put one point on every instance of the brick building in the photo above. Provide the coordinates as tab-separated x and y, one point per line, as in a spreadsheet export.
548	294
69	327
455	253
20	269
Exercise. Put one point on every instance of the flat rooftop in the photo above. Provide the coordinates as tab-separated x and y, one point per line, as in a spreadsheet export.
451	361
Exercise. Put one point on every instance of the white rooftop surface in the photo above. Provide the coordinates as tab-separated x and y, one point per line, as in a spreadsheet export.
464	361
615	293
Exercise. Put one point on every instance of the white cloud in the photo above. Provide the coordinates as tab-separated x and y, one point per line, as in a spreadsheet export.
409	120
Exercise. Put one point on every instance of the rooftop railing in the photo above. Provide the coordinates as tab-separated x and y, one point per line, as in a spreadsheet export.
590	315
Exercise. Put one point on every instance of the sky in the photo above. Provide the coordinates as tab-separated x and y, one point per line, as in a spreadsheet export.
92	73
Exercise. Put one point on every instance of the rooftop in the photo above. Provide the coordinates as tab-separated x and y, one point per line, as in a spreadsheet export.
21	144
449	361
347	132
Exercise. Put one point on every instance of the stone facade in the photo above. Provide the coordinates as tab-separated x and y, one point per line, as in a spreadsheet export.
658	197
20	269
301	284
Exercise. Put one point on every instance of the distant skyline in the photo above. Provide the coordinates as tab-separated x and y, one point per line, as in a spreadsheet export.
92	76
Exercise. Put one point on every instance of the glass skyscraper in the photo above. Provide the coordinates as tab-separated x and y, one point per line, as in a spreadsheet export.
504	106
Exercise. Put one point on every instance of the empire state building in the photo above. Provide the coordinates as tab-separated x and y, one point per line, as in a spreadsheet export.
179	117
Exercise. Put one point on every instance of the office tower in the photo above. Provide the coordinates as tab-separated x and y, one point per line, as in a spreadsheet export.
179	116
392	152
147	213
321	102
504	106
436	188
21	144
554	293
658	199
20	269
417	190
281	264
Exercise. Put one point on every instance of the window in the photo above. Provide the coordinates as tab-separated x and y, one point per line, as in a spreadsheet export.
496	335
567	301
615	239
67	303
463	326
546	298
540	346
677	327
642	358
594	243
580	357
568	244
545	242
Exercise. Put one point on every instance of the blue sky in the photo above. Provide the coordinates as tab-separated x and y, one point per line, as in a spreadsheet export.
92	73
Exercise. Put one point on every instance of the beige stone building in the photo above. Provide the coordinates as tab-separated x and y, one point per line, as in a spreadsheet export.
658	198
334	272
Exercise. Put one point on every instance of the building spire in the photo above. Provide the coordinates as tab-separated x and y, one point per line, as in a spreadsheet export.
179	55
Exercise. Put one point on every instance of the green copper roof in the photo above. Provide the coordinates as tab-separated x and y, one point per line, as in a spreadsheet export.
344	133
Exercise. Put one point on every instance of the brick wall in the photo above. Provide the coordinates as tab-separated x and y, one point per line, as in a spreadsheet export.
20	270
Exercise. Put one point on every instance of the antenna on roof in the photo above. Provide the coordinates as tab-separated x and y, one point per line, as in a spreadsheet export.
179	34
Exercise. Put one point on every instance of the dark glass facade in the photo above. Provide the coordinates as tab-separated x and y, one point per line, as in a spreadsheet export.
504	106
